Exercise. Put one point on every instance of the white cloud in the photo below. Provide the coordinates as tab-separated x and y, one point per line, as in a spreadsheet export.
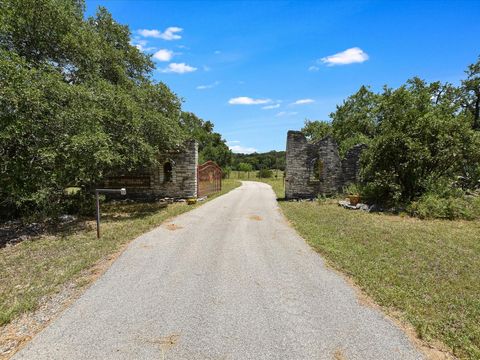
268	107
238	149
245	100
170	33
209	86
141	44
349	56
303	102
178	68
233	142
149	33
313	68
216	52
286	113
163	55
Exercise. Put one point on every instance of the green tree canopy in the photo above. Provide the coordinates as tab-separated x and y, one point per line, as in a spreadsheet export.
471	93
316	130
76	103
422	138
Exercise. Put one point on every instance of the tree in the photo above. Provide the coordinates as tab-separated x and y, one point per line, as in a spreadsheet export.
316	130
471	89
269	160
76	103
421	139
245	167
355	121
211	146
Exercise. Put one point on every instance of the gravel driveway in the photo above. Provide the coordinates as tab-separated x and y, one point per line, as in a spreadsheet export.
228	280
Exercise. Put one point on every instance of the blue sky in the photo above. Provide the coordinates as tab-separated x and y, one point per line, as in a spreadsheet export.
259	69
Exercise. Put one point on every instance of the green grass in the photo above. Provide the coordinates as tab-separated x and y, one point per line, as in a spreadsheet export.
425	272
40	267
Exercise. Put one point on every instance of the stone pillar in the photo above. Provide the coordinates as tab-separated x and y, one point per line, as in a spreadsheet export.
331	179
297	174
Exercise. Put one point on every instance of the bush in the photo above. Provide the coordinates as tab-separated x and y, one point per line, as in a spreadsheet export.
81	203
433	206
265	173
352	189
418	141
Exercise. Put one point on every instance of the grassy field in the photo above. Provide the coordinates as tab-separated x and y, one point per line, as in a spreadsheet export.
36	268
424	272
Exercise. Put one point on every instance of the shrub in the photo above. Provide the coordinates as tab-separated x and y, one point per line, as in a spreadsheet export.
433	206
421	137
352	189
265	173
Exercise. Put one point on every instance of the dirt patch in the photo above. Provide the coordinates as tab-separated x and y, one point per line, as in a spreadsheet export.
168	342
173	227
255	217
338	355
165	343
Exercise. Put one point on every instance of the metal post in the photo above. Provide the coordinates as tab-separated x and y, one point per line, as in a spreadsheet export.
122	191
98	213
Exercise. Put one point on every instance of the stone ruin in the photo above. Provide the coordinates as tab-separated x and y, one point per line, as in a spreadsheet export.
175	176
314	169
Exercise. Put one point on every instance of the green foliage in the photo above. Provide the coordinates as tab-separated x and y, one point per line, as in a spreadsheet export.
354	122
444	199
76	103
471	93
269	160
421	137
211	146
265	173
352	189
316	130
245	167
430	206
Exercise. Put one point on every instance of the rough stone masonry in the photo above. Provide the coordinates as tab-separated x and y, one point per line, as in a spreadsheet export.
175	176
316	168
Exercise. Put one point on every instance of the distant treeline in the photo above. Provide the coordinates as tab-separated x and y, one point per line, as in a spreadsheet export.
258	161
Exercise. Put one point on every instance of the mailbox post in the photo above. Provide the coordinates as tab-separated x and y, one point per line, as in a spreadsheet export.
121	191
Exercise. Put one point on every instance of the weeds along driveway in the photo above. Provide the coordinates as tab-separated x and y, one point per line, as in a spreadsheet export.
228	280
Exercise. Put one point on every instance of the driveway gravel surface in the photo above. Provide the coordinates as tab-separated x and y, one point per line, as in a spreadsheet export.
228	280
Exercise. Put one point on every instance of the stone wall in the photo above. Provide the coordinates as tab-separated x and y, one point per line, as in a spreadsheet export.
154	183
351	164
316	168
